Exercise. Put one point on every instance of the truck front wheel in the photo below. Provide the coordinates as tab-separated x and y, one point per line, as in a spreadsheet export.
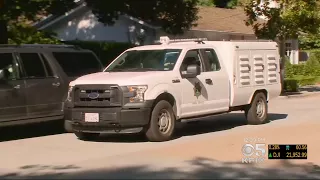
257	111
162	122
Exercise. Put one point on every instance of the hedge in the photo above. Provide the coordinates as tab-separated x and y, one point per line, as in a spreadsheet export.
297	75
106	51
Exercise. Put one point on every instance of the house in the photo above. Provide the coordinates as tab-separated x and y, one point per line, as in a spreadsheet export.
214	24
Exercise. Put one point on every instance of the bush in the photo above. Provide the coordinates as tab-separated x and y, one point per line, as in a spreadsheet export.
312	66
106	51
305	80
291	85
303	74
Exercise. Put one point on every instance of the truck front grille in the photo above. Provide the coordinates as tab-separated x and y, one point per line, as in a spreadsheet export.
97	96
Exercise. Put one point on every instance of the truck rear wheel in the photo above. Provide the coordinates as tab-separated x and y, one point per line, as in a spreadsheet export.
87	136
257	111
162	122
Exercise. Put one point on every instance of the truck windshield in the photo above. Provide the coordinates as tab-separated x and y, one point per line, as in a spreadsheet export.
76	64
146	60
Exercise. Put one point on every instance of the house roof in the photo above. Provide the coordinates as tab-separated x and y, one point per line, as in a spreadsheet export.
51	20
210	19
221	19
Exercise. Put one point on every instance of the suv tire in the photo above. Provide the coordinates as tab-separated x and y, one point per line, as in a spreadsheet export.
162	122
257	112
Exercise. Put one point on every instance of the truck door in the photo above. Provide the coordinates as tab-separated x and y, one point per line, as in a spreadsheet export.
42	87
219	96
12	89
199	95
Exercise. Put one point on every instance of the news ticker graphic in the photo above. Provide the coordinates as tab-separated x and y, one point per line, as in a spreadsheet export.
287	151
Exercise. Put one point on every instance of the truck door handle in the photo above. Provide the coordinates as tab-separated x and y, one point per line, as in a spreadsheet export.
56	84
208	81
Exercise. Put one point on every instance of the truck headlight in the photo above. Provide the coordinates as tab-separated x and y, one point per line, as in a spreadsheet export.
69	96
138	93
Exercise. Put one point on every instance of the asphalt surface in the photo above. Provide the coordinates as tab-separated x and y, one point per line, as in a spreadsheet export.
205	149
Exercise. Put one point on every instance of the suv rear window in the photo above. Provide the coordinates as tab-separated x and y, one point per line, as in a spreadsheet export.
76	64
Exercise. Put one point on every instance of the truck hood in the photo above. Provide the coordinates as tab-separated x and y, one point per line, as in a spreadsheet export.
120	78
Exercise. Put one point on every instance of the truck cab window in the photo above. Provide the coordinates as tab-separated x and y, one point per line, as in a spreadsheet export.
9	70
213	61
146	60
191	57
33	65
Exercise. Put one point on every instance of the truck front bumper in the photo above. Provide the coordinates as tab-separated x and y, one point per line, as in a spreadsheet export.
131	118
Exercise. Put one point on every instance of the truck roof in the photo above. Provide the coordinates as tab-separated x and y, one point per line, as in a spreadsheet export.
193	43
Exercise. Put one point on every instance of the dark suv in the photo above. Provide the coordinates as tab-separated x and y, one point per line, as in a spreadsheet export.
34	80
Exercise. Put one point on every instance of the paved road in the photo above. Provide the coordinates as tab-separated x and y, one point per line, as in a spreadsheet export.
205	149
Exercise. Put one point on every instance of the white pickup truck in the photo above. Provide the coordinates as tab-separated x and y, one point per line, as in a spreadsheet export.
149	88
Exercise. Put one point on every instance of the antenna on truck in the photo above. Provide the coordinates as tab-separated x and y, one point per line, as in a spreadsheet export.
166	40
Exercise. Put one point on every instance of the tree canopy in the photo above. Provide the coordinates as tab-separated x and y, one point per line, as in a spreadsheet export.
289	20
16	13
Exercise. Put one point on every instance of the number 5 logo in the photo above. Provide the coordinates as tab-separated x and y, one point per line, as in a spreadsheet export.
248	149
261	148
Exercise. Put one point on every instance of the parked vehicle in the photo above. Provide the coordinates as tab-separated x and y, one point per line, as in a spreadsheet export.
143	90
34	80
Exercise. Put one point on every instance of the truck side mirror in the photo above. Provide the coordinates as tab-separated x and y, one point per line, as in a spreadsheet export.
193	70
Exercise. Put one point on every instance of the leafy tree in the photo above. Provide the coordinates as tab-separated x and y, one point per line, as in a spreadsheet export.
174	16
309	41
287	21
12	11
25	34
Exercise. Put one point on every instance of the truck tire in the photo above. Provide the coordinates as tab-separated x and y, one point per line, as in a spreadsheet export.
87	136
162	122
68	127
257	112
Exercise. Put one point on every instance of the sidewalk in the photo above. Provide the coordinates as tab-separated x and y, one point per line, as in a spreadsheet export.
303	92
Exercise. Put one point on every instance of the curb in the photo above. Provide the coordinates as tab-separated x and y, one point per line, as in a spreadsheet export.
303	94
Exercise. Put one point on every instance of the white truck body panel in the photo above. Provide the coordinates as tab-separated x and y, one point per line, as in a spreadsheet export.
245	68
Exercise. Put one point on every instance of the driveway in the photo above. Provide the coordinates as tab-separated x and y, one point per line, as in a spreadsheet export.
204	149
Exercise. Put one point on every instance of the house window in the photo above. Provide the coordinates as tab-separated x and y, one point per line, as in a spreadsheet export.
288	49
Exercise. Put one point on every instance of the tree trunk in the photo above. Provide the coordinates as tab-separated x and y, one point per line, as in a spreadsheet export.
3	32
282	52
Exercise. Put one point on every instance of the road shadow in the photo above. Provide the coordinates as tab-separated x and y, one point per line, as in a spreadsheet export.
198	168
31	130
310	88
313	88
195	127
219	123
